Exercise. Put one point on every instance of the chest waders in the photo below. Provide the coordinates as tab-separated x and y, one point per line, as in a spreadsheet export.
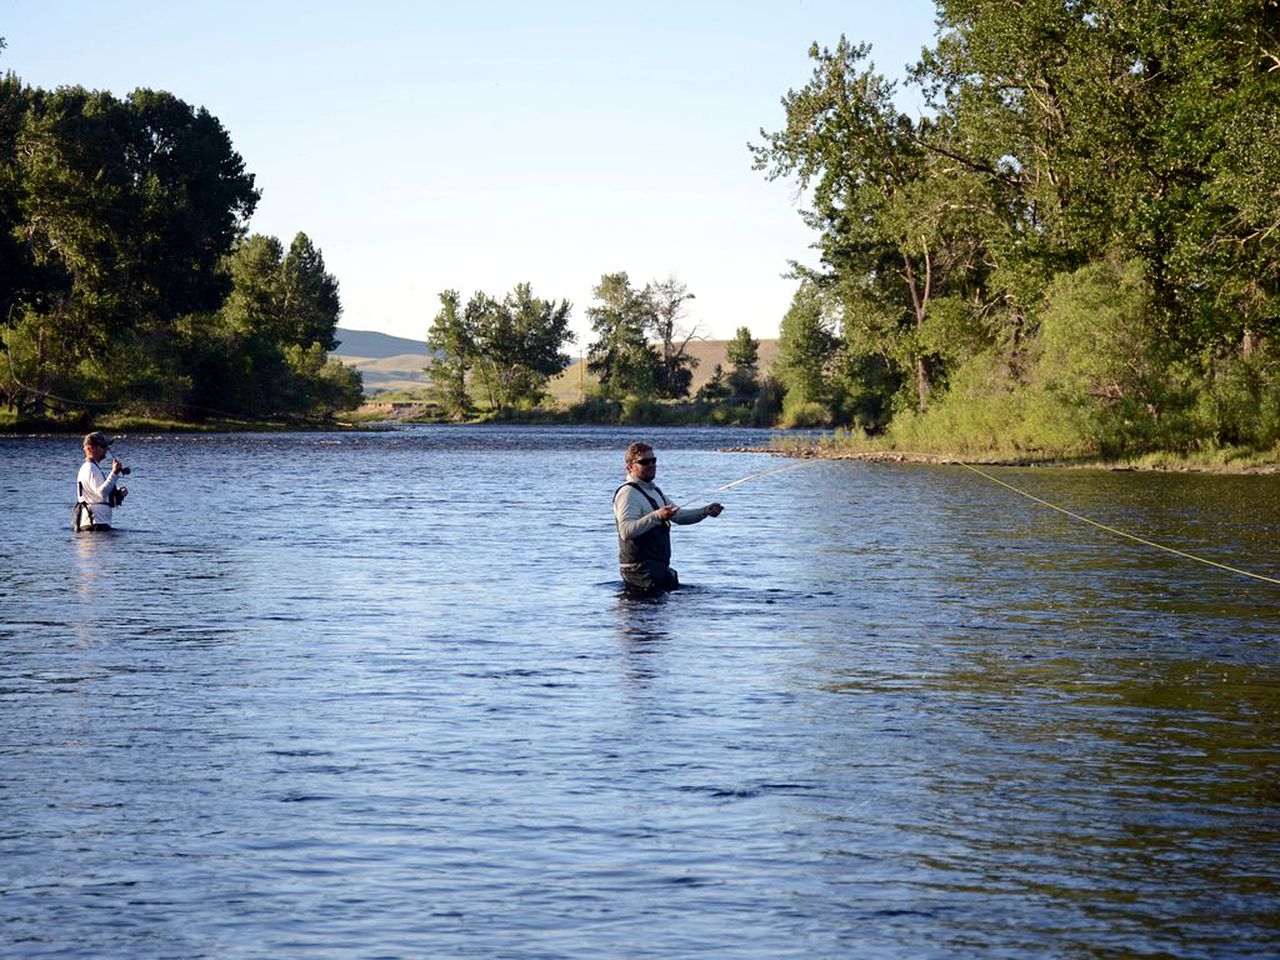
645	561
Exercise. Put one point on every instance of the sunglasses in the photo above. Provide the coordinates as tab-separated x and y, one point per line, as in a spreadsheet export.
647	461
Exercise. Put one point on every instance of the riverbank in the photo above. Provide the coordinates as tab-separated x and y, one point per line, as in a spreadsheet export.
120	424
1217	460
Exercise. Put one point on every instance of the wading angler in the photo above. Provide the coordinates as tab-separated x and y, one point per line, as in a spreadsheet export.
644	515
97	492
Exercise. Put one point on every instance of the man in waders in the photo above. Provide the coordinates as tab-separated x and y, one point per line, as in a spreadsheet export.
644	516
96	489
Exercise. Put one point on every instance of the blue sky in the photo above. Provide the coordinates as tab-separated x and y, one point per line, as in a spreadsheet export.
475	145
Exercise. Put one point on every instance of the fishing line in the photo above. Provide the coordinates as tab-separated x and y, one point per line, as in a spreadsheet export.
1119	533
737	483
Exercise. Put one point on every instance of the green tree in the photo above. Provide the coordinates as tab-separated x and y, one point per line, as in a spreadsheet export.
715	390
807	353
265	352
125	210
667	299
621	356
310	305
743	354
519	344
450	338
892	216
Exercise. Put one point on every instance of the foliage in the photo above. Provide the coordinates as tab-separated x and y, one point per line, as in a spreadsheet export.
715	390
807	348
124	281
621	356
640	347
450	338
1085	224
264	352
506	349
744	355
666	300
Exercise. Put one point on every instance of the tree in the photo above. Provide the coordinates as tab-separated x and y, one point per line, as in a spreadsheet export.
621	356
891	214
449	337
265	352
715	390
743	354
807	346
667	300
519	344
310	305
125	210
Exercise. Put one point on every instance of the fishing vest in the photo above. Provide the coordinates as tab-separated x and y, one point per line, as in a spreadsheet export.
651	549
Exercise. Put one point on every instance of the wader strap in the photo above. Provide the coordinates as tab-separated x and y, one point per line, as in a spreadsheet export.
637	486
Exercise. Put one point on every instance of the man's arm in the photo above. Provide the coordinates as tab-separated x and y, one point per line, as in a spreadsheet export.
692	515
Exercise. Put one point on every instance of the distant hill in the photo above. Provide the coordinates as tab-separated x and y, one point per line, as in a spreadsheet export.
385	362
371	345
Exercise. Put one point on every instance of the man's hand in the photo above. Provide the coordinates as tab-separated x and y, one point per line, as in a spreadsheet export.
715	509
115	466
667	512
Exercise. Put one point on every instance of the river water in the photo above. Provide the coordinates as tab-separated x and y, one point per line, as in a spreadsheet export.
379	695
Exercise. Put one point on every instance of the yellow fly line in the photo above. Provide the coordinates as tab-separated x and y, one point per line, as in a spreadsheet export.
1118	533
1022	493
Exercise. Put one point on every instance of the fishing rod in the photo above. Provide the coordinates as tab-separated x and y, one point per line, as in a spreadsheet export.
760	474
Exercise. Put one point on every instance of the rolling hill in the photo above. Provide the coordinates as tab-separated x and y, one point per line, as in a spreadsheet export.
385	362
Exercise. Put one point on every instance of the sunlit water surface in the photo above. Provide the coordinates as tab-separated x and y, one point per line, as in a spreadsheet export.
380	696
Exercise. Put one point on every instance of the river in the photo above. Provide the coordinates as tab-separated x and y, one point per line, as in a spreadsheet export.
379	695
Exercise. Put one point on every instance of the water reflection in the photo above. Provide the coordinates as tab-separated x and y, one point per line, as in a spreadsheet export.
642	629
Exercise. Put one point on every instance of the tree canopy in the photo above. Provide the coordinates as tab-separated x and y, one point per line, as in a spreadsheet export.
122	263
1127	141
504	350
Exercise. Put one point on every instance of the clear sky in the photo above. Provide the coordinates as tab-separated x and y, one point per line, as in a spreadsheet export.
476	144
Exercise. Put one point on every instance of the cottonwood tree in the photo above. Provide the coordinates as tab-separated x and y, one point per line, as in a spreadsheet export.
889	212
667	299
519	345
124	210
621	355
449	337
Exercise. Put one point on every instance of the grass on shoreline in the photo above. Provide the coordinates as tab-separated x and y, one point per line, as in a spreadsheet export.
849	445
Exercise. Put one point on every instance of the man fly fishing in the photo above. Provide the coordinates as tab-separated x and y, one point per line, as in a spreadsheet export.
644	515
97	491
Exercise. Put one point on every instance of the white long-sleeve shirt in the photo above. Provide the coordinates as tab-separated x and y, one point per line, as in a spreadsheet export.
94	486
635	516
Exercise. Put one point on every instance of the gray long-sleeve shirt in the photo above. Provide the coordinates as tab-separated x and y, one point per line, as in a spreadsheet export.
635	515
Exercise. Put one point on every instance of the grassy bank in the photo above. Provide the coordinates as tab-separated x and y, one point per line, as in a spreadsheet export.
853	445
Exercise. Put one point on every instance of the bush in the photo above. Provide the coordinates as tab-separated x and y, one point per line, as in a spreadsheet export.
643	411
596	409
805	416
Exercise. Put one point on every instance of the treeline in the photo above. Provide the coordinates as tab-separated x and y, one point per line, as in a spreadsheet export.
495	357
1077	251
127	283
